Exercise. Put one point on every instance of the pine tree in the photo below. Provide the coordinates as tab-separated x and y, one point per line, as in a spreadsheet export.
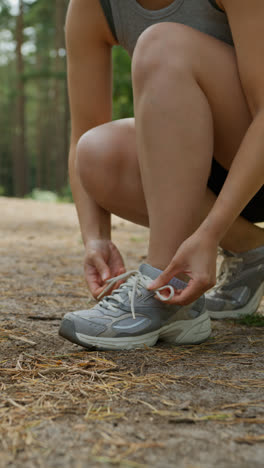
20	164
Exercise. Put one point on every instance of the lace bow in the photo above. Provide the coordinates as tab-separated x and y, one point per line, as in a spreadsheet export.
135	281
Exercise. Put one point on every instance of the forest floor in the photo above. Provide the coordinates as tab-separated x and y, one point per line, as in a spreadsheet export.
63	406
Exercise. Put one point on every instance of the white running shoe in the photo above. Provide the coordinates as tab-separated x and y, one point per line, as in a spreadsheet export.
131	317
240	286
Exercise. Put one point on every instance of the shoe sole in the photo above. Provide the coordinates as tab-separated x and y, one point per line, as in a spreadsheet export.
188	332
248	309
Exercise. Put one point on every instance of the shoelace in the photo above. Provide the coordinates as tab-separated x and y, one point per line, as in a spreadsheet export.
135	281
225	272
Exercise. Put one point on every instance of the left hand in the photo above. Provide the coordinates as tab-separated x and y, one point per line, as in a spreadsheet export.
196	258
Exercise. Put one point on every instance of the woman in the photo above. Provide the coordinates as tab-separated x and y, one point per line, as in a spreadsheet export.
198	82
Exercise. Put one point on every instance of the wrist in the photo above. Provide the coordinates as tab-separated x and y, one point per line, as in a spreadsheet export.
95	236
100	232
210	233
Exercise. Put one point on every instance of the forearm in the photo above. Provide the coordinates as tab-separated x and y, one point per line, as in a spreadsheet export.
94	221
245	178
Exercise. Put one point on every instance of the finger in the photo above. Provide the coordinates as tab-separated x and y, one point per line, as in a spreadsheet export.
94	284
92	276
165	277
121	271
165	296
191	293
98	291
102	268
117	271
97	287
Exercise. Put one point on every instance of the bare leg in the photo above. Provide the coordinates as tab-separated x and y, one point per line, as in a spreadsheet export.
109	169
174	129
175	121
108	156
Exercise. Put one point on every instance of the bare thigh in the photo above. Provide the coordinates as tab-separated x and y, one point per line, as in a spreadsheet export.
107	154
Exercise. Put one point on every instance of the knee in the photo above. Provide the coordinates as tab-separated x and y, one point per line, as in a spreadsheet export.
95	165
162	50
86	155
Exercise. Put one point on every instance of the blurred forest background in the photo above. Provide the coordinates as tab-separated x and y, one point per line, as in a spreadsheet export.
34	110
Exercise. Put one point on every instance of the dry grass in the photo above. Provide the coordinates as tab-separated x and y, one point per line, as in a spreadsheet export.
61	405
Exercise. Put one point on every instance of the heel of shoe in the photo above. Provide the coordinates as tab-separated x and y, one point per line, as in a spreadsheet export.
249	309
188	332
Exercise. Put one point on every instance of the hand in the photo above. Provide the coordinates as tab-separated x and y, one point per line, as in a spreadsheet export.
196	258
102	262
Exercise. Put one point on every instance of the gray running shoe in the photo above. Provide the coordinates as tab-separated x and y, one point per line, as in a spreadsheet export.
240	285
110	325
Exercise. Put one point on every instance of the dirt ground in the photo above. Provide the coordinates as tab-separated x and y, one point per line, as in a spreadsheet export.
62	406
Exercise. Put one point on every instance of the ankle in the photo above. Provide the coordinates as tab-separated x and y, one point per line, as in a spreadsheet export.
250	240
241	247
162	266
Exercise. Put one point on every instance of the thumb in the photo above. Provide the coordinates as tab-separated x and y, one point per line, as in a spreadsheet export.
102	268
165	277
121	270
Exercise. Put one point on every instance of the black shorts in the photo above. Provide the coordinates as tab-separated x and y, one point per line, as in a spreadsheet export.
254	211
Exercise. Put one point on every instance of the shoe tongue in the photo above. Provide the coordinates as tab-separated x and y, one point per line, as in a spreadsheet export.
149	271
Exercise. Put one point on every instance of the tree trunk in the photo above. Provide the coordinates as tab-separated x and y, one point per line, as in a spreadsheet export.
40	130
20	166
61	164
67	122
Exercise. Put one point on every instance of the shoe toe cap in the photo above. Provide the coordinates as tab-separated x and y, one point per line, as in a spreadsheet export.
74	324
67	329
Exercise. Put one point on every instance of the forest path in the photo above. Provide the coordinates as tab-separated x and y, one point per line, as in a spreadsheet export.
185	407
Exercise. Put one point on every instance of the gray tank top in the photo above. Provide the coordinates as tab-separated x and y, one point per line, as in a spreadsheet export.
128	19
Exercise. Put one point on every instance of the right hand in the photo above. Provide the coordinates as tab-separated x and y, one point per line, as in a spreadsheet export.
102	262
